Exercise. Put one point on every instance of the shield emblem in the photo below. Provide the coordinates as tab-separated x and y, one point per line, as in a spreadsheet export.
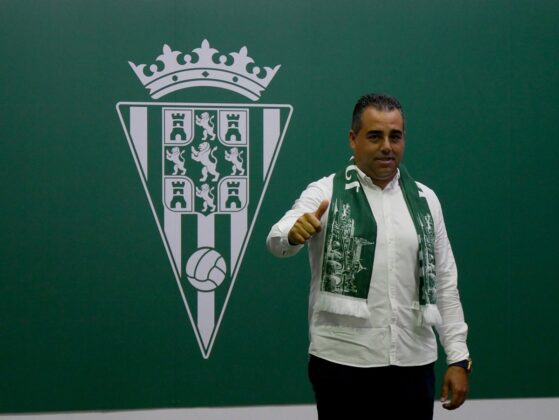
205	169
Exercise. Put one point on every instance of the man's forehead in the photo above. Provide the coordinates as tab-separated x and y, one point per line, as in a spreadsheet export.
386	118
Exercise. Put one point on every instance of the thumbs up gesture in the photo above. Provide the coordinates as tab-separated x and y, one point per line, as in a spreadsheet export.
307	225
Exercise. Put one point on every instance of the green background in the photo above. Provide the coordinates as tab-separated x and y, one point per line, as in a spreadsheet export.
90	314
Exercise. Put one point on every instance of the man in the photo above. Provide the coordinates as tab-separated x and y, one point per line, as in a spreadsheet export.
383	274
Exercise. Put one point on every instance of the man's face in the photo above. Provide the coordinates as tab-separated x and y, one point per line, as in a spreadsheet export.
378	147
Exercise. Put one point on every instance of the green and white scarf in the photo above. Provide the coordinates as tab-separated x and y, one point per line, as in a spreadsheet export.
349	248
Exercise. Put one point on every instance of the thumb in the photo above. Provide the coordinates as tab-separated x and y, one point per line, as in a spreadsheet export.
321	209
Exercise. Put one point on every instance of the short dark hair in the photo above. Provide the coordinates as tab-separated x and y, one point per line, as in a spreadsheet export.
379	101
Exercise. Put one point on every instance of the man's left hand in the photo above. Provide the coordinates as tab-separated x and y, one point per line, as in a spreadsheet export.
456	382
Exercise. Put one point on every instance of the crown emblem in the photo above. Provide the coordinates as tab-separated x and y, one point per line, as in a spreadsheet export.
174	70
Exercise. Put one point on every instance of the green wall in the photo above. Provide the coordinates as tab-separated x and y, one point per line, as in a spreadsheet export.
91	316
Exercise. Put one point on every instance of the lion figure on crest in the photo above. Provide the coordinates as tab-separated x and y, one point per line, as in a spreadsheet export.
175	156
235	157
205	120
205	193
205	155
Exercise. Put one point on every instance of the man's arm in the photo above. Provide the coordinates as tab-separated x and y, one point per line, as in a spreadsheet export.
454	330
302	221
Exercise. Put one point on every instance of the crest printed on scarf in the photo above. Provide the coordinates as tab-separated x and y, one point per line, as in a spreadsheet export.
343	256
205	168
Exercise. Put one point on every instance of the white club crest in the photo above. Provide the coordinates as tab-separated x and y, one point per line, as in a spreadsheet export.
205	168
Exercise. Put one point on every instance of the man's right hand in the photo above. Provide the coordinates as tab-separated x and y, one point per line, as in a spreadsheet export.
307	225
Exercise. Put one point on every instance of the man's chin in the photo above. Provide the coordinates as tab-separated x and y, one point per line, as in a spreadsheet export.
386	175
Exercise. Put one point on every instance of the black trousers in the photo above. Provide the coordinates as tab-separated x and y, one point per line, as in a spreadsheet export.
345	392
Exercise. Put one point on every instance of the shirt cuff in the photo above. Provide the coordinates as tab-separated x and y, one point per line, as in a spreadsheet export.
456	353
288	249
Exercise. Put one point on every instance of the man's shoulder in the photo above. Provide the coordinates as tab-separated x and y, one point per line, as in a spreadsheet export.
430	196
424	189
325	180
320	188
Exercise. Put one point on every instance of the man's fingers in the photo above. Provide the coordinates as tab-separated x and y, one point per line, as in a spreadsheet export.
444	392
295	238
300	232
307	225
456	401
302	238
458	398
310	224
321	209
305	234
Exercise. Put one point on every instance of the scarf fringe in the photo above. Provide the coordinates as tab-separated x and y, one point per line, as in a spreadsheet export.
430	315
342	305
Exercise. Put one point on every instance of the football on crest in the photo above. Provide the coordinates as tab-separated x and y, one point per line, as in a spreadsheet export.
206	269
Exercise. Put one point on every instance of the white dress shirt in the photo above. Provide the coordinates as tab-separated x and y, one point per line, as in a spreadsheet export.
393	334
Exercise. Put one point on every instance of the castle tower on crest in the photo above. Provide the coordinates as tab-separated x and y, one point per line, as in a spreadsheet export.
233	133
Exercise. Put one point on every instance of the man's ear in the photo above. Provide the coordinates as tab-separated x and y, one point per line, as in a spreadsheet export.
352	137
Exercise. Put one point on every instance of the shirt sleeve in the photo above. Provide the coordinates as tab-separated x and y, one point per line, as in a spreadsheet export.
453	331
309	201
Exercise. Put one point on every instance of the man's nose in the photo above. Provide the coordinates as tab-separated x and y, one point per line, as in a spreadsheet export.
386	146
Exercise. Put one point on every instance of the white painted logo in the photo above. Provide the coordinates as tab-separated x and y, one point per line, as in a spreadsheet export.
205	168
